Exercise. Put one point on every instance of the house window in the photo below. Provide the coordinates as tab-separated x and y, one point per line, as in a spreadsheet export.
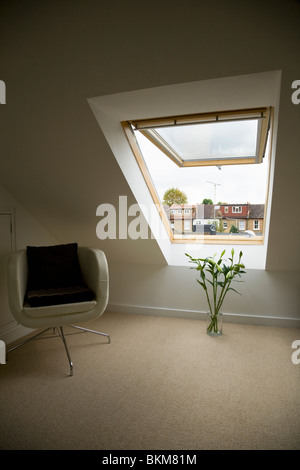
256	225
187	225
216	156
241	225
225	224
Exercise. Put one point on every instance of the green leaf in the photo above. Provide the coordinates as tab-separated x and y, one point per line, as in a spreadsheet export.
239	266
231	288
202	284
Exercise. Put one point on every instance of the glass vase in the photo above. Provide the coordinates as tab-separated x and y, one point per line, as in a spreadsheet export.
214	324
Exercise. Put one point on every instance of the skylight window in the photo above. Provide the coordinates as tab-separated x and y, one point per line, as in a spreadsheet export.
197	147
237	137
148	170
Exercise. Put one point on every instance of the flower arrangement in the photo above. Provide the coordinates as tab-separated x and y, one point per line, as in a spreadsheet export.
219	273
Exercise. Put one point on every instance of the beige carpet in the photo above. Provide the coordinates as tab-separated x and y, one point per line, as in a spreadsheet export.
162	384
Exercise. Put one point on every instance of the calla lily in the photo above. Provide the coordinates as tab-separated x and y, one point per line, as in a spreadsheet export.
216	295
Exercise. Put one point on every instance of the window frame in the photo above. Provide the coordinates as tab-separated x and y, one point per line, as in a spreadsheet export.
130	126
242	224
263	114
258	224
186	224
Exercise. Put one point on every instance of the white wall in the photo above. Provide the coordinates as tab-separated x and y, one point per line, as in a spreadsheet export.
266	297
202	96
27	231
56	162
269	297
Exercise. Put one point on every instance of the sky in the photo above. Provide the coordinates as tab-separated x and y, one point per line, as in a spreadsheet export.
231	184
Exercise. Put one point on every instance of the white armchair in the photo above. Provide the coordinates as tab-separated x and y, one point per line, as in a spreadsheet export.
55	315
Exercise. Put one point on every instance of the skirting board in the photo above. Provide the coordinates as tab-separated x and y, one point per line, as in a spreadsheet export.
262	320
14	333
17	331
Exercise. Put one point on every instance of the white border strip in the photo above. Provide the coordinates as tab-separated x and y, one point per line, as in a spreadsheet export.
14	333
262	320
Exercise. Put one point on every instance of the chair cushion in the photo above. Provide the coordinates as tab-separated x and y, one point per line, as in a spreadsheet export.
54	276
58	296
51	267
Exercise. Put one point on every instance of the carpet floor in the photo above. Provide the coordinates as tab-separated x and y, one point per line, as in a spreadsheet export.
161	384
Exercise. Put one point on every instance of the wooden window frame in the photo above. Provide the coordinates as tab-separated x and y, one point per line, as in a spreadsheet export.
266	126
146	127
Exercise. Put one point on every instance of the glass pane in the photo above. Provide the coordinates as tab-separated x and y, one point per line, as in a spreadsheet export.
231	139
235	184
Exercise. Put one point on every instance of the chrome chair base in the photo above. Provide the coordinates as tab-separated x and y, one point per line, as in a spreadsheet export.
62	335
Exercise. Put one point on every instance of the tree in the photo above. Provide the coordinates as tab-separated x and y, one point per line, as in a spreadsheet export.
174	196
234	229
220	226
207	201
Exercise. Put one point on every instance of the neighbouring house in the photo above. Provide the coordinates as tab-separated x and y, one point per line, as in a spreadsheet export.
186	219
242	216
256	218
181	217
204	220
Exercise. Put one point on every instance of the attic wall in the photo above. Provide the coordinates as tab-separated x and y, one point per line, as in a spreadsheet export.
25	231
54	55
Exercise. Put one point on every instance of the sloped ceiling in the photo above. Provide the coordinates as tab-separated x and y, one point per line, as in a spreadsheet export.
56	54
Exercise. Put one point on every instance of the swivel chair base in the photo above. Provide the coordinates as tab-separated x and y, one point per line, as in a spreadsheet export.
61	334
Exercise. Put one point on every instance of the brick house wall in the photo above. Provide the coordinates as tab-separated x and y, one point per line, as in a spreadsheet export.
243	216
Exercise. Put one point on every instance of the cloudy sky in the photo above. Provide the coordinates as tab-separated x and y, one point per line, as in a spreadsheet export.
234	184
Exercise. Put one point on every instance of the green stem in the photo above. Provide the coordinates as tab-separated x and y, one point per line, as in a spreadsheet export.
222	296
206	292
213	326
215	286
207	296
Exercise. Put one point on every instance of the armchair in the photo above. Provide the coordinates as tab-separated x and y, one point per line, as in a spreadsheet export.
36	304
